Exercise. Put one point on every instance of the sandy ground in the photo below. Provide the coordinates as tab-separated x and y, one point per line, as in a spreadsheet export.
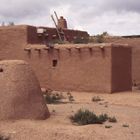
124	106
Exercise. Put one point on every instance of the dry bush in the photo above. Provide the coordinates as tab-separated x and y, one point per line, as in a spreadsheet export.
84	117
53	97
96	99
112	119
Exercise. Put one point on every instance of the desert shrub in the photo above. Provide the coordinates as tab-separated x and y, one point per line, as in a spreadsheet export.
84	117
68	93
102	118
92	39
100	38
53	97
96	99
70	97
112	119
108	126
125	125
4	138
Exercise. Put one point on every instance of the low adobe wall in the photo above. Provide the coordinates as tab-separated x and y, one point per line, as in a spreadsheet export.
83	67
72	67
135	43
52	35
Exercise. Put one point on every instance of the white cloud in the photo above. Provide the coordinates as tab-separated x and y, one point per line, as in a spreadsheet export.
114	16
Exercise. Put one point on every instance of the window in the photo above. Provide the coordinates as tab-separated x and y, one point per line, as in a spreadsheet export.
54	63
1	70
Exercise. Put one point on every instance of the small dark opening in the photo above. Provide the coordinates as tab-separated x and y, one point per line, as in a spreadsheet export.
54	63
1	70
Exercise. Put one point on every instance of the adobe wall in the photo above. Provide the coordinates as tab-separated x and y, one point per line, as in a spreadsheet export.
71	34
80	70
83	70
12	41
121	69
86	69
13	35
135	44
25	34
33	37
105	69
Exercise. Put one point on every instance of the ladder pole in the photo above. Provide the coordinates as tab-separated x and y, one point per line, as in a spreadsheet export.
61	28
56	28
56	15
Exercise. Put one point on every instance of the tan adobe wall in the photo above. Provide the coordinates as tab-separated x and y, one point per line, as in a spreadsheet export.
52	35
135	44
20	95
84	69
13	35
12	41
34	38
77	69
121	69
23	34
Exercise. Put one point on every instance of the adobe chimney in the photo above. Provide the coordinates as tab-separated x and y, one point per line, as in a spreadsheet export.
62	23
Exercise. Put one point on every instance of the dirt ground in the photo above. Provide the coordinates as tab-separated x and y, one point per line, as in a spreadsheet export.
124	106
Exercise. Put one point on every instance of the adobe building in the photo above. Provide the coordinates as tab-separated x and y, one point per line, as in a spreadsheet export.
100	68
78	67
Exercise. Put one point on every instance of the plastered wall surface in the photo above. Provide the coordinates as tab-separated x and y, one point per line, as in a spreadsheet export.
135	44
77	67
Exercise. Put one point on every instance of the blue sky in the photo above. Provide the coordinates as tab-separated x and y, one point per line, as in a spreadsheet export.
117	17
